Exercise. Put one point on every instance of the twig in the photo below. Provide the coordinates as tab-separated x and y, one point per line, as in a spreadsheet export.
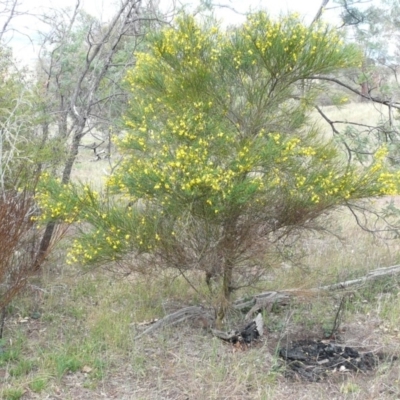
338	316
335	131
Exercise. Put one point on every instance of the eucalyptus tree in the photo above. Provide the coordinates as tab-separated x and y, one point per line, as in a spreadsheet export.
82	65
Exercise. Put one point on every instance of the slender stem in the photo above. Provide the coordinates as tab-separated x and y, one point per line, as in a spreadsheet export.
2	321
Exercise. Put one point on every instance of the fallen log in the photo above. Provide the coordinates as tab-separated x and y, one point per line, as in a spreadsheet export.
260	301
263	301
175	318
266	300
376	273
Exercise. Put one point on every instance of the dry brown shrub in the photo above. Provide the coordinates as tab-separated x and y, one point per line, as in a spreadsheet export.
20	254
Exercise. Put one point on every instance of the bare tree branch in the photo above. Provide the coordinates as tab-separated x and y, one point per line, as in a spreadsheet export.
11	14
336	132
320	11
340	83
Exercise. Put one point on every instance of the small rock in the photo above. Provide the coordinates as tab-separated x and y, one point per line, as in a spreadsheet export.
36	315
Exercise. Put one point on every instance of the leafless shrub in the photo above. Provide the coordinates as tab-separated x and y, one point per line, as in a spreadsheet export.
20	255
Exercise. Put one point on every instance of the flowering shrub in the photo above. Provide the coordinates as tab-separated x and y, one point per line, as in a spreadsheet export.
218	153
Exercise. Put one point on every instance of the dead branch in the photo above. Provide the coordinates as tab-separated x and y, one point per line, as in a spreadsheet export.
338	317
320	11
395	105
264	301
175	318
260	302
376	273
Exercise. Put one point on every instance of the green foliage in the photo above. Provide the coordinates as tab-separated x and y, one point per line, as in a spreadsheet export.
62	201
374	27
38	385
66	363
15	121
13	393
218	154
11	354
23	367
22	146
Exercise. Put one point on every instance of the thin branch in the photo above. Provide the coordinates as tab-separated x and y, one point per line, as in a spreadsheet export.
374	99
335	131
8	20
320	11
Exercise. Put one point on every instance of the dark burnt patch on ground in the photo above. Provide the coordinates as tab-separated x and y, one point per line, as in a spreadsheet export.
315	360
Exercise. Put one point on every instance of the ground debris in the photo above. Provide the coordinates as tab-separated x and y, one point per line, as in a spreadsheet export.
179	316
315	360
252	331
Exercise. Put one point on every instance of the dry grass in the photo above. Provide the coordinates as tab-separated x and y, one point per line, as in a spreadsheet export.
350	253
72	336
83	345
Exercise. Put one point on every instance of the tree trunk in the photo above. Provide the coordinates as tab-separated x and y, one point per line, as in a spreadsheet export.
62	120
226	292
227	250
72	156
49	230
364	91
